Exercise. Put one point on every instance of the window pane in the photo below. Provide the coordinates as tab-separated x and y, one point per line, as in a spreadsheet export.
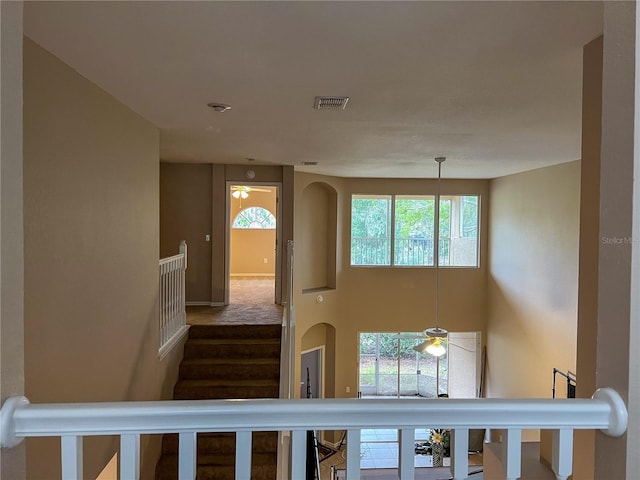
469	217
458	230
255	217
413	242
370	230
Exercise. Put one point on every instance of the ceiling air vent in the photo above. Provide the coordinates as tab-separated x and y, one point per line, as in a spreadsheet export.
330	103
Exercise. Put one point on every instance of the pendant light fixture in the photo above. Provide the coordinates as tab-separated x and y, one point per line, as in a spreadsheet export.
240	194
436	339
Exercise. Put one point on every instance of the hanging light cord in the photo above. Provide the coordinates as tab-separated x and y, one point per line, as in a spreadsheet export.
437	243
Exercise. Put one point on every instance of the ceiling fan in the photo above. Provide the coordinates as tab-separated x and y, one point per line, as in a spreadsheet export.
242	191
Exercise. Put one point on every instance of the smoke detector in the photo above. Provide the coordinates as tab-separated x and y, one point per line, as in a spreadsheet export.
330	103
219	107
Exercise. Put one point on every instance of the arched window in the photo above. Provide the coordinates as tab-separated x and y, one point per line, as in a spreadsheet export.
255	217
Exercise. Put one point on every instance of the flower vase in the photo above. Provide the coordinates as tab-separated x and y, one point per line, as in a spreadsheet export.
437	454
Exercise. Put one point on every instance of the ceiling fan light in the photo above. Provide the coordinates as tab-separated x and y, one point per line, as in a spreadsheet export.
243	194
236	194
435	348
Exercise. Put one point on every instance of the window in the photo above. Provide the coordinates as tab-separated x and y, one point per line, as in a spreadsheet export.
458	236
255	218
370	230
405	225
413	241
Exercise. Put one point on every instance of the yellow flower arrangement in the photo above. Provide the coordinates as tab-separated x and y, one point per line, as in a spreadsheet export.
441	436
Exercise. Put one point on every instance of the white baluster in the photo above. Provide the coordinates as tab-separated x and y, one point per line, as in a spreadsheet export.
184	250
71	457
243	461
562	456
298	454
183	296
161	306
130	457
165	284
511	453
173	298
165	300
460	453
353	455
187	455
407	453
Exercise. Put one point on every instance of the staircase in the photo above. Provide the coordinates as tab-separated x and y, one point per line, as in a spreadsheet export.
227	361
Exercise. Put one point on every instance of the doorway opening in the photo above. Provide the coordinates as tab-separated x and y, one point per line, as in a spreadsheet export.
253	260
311	374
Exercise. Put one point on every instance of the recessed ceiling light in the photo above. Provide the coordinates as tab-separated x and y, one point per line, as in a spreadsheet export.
219	107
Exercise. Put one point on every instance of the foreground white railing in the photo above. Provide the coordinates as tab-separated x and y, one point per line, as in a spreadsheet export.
173	316
18	419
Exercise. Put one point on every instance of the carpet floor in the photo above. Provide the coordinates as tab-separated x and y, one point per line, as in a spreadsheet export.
237	314
252	290
251	303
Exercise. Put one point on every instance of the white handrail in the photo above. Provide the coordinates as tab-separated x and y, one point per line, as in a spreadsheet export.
605	411
38	420
172	311
287	346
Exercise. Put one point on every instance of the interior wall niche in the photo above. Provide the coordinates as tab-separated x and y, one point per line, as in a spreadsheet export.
318	250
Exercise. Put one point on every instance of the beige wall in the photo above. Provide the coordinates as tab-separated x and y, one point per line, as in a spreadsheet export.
533	280
589	245
215	195
387	299
91	254
316	252
617	457
249	247
185	214
12	461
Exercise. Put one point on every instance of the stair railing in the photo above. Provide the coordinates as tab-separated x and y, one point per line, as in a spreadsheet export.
71	422
172	311
287	366
287	346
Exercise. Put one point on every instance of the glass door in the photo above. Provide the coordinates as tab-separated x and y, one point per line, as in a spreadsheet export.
390	367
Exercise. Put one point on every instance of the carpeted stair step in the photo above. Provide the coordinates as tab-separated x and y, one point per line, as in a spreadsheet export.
232	348
167	469
220	362
225	389
235	331
238	368
261	442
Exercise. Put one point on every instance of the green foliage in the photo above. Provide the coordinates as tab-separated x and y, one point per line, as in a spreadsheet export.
370	217
445	218
413	228
414	217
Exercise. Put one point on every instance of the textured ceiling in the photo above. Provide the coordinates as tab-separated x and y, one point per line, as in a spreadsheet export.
493	86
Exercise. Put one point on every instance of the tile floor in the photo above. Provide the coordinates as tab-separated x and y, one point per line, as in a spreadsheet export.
379	449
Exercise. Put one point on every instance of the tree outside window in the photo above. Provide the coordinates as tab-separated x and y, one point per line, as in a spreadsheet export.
405	224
